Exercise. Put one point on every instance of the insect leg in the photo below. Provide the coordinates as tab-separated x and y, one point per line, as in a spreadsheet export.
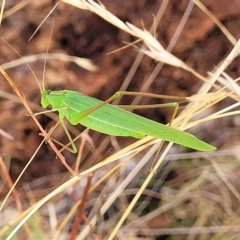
74	148
85	113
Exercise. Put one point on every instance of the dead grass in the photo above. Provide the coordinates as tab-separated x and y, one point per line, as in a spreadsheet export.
201	201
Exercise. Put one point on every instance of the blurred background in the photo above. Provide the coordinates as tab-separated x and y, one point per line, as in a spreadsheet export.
201	45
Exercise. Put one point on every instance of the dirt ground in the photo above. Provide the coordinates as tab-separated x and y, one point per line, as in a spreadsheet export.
81	33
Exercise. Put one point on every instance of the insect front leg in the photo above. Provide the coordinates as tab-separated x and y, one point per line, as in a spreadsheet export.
61	117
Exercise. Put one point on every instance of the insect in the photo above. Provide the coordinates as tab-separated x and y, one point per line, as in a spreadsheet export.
103	117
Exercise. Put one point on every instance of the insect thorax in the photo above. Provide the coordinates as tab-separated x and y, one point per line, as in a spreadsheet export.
49	98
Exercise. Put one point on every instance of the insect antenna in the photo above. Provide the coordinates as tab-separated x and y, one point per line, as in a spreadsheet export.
45	60
43	21
34	75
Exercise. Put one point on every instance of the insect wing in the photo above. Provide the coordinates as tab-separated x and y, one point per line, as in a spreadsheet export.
115	121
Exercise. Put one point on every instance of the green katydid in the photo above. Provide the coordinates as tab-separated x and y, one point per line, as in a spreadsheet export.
103	117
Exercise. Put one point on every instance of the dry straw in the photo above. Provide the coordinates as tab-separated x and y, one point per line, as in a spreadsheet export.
215	88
